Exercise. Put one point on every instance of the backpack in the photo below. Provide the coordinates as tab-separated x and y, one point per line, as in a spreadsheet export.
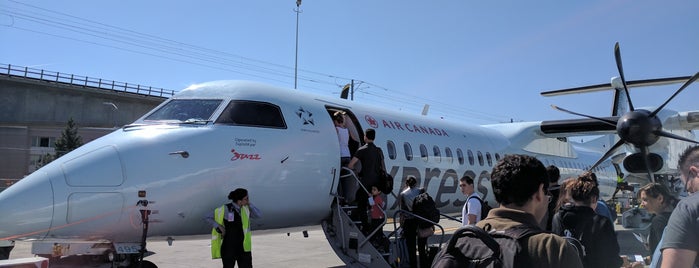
471	246
485	208
424	206
385	180
575	242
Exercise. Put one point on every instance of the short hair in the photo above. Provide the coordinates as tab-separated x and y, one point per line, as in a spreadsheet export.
516	178
688	158
370	133
410	181
467	179
655	189
237	194
554	173
583	189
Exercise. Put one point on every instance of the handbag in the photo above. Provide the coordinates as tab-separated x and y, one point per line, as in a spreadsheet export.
425	232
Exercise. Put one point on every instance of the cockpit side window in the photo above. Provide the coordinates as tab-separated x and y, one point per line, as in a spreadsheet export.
185	110
252	114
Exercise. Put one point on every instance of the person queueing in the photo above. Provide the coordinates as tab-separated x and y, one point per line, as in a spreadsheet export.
231	236
370	158
347	185
471	212
595	232
409	224
554	190
680	241
656	198
520	185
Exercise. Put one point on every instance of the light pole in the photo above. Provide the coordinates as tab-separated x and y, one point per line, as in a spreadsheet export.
296	61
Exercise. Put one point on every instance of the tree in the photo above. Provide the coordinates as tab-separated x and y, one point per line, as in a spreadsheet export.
70	140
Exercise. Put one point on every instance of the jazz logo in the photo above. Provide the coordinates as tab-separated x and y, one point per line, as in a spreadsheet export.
242	156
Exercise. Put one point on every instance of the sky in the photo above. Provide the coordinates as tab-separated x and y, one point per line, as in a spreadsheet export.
477	62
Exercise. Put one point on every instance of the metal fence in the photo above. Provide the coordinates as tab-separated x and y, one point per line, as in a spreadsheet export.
78	80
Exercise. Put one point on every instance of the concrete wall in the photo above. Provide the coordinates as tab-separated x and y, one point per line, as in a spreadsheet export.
31	108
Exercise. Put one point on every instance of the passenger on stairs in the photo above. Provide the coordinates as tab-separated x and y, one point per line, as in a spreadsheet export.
347	185
370	157
377	219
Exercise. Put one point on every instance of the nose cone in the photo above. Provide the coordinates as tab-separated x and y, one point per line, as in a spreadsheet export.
26	208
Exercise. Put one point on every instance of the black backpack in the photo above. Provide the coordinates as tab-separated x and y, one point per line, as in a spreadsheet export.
471	246
485	208
576	243
424	206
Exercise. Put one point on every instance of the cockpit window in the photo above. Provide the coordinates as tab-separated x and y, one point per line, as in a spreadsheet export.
252	114
185	110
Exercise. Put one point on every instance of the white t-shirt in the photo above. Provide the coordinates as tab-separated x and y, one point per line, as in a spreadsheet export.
473	207
343	137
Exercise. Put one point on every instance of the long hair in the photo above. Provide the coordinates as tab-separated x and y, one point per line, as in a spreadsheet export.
584	190
563	193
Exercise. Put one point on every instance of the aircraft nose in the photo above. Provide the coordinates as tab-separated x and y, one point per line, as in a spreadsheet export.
26	208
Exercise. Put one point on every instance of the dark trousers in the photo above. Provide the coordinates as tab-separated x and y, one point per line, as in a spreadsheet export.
410	234
244	260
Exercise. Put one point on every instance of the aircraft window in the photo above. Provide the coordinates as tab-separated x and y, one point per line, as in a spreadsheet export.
408	151
437	153
184	110
391	150
253	114
489	159
447	153
470	157
480	158
423	152
460	156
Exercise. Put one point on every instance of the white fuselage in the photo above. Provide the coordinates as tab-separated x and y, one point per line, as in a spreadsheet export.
187	167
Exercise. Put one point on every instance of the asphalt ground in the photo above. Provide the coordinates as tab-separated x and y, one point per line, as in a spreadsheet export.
271	248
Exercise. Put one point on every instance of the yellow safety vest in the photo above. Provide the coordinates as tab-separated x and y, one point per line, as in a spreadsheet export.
217	239
245	215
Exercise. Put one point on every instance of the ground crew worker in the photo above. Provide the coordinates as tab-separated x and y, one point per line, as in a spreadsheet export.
231	236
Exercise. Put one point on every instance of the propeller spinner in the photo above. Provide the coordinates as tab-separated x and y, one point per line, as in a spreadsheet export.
640	127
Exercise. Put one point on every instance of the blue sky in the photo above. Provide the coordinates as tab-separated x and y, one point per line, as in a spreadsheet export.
477	62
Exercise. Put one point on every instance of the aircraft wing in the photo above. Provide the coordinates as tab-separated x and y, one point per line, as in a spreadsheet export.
608	86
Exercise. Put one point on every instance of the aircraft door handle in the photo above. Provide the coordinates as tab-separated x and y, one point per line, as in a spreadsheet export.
184	154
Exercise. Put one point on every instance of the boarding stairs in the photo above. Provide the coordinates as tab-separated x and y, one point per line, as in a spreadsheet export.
356	249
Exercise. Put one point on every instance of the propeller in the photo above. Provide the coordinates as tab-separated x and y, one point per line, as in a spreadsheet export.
638	127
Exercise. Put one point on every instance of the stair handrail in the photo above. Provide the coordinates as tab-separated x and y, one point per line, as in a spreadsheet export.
451	218
385	216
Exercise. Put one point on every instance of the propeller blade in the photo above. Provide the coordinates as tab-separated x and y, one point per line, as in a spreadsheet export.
617	55
606	121
645	152
607	154
673	136
686	84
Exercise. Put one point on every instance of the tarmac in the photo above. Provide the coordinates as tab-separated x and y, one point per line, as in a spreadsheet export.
271	248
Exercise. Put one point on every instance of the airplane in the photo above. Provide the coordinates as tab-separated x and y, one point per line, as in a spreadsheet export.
652	137
161	174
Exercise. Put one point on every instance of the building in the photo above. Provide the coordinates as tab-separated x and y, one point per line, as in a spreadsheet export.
35	106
